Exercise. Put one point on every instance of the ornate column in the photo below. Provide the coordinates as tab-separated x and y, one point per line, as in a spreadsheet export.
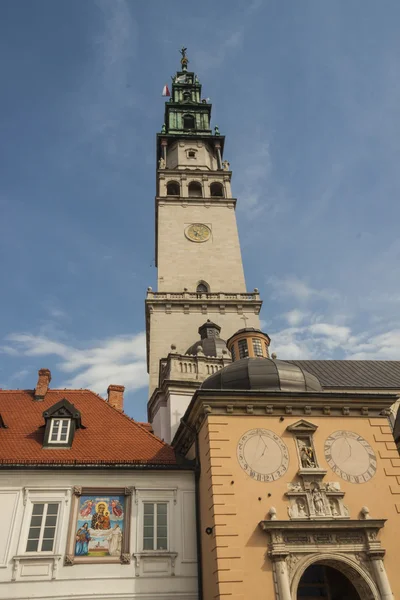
282	577
381	577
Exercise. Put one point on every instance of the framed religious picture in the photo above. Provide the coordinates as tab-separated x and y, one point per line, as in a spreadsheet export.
99	526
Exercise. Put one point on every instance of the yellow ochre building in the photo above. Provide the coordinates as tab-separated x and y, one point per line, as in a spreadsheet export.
297	470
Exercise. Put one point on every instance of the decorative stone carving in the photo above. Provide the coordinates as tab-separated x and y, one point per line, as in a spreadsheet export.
125	559
306	452
311	499
318	501
332	486
291	562
295	486
272	513
69	560
364	513
77	490
225	165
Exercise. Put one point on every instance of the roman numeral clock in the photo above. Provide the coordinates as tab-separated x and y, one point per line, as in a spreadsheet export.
350	456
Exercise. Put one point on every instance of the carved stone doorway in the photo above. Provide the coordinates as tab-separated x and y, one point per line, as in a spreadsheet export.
325	582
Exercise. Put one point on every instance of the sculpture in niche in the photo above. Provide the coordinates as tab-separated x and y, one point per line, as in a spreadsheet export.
301	508
333	507
306	452
318	501
161	163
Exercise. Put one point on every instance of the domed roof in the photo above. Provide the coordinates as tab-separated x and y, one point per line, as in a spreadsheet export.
210	343
262	374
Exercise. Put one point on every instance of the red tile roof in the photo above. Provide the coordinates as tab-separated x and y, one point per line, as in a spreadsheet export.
109	437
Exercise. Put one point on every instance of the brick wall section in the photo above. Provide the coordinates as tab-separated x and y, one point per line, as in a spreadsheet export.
224	546
388	453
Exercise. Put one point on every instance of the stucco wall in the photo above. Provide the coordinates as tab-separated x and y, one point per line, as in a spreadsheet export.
238	503
154	579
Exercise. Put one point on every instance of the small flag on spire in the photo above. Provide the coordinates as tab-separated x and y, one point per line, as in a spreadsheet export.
166	91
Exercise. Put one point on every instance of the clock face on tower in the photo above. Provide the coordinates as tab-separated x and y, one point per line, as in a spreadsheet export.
350	456
198	232
263	455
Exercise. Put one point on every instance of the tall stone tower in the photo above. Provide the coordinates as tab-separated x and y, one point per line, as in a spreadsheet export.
200	270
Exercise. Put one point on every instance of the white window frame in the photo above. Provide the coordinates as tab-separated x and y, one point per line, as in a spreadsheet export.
31	496
155	495
42	527
52	427
154	504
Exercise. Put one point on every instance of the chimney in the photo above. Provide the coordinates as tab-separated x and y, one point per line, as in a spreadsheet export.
116	396
43	384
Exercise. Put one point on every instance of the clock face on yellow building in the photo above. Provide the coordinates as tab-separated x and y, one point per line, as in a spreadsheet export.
198	232
350	456
263	455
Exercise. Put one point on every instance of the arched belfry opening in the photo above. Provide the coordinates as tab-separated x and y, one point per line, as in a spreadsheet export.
173	188
195	190
325	582
188	122
202	287
217	190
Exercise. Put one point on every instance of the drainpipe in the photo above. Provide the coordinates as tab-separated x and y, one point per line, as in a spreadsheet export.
197	471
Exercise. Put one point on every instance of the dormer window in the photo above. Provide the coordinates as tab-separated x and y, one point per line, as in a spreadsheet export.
62	421
59	431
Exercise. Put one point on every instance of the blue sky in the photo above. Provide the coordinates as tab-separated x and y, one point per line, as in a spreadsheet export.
308	95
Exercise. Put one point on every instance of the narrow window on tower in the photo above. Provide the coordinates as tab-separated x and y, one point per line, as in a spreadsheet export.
233	353
173	188
243	349
188	122
217	190
202	287
195	190
257	347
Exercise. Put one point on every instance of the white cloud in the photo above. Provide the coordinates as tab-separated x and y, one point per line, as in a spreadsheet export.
295	316
298	289
119	360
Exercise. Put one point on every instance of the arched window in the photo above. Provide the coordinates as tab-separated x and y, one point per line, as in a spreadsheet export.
173	188
217	189
188	122
202	287
195	190
187	96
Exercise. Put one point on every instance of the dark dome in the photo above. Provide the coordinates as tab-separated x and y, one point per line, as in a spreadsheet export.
262	374
210	343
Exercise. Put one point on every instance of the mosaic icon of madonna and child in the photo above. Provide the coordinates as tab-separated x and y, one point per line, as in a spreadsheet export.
100	526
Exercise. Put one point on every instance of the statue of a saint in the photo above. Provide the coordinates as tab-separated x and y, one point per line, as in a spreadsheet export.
161	163
306	455
225	165
164	128
318	501
216	130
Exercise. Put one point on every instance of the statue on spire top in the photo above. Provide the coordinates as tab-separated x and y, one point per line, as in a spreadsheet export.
184	59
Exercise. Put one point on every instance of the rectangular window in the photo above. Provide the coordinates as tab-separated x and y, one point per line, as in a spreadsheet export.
257	347
243	349
42	529
266	348
233	353
155	526
59	431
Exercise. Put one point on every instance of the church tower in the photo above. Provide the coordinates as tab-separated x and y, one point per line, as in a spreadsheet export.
198	258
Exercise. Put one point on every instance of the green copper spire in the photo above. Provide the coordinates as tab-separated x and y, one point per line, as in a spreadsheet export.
187	113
